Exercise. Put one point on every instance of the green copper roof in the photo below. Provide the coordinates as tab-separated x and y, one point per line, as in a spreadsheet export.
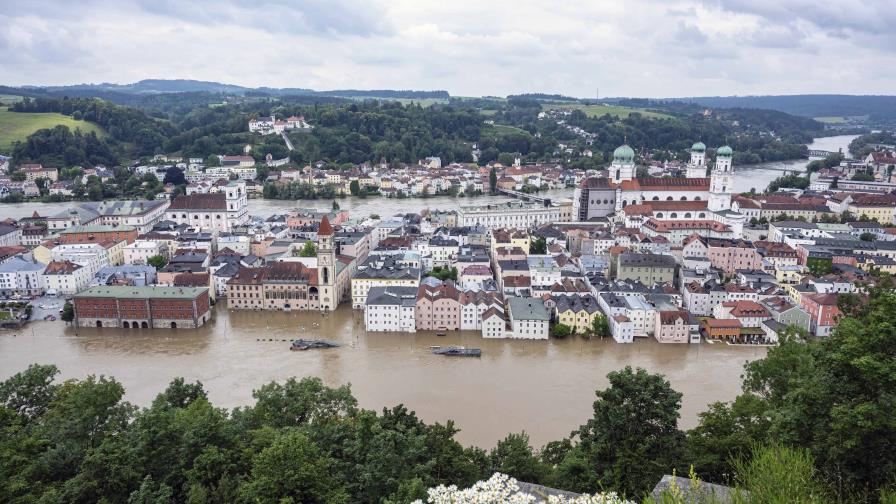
624	153
699	147
724	151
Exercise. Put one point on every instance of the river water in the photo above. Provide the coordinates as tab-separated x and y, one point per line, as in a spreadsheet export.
543	387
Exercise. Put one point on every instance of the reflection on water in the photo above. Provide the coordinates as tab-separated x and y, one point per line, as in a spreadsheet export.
544	388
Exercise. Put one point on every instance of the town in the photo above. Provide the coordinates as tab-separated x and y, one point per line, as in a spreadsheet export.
673	254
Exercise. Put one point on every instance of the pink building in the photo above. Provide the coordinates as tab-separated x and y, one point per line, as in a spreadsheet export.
438	307
672	326
823	312
732	255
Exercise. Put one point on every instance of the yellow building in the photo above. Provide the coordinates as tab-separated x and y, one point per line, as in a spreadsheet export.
510	238
880	207
788	274
577	311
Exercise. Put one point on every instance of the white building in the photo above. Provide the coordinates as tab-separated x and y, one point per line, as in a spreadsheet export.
141	250
91	256
529	319
66	278
493	324
512	214
390	309
216	212
21	276
474	304
622	329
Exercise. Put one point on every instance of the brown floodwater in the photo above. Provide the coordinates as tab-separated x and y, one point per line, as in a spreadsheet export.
543	387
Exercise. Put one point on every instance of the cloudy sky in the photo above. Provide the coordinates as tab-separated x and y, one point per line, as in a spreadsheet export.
469	47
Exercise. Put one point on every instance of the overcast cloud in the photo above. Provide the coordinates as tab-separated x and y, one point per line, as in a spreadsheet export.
468	47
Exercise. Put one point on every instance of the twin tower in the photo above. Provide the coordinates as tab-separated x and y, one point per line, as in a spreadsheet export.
720	184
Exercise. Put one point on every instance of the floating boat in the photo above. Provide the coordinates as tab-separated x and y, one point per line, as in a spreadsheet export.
456	351
441	334
303	344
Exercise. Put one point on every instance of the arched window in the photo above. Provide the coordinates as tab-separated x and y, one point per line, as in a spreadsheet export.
687	215
326	275
656	198
696	198
673	215
659	215
684	198
669	198
702	215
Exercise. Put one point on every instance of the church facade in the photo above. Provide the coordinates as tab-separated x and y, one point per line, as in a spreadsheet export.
636	200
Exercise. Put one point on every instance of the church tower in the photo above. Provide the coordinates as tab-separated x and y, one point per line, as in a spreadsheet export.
326	267
720	182
623	166
697	165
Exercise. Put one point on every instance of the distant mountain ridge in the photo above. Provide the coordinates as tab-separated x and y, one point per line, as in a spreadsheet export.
161	86
809	105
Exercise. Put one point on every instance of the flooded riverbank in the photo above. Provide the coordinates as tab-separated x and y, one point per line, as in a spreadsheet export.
543	387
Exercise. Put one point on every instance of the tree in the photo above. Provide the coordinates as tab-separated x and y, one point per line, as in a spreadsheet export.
68	312
632	439
561	331
513	456
443	273
30	393
293	469
354	187
727	432
157	261
600	327
493	180
539	246
308	250
212	161
868	236
174	176
335	206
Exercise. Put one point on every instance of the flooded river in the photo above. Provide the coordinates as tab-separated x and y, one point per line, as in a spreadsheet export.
543	387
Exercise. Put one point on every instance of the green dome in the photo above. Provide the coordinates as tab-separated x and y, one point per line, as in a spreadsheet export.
699	147
624	153
724	151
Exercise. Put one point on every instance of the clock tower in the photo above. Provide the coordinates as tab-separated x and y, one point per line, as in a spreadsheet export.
326	267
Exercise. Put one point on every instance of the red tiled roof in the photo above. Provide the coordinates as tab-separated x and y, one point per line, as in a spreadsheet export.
216	201
325	228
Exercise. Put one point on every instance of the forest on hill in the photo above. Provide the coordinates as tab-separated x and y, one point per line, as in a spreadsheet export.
203	123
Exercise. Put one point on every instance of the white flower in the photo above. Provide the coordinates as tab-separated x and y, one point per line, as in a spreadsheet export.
502	489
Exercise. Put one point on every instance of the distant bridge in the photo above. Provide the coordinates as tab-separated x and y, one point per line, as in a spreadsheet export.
819	154
525	196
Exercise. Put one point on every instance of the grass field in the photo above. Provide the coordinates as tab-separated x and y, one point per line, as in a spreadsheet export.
502	129
613	110
6	99
840	119
18	125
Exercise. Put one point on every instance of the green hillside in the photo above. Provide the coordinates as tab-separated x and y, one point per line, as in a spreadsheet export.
18	125
613	110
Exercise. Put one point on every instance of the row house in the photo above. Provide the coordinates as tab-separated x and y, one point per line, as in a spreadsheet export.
438	306
474	304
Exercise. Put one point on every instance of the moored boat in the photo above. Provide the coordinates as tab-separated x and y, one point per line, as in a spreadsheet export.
303	344
456	351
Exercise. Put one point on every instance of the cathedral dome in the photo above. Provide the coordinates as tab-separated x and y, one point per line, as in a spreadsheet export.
624	154
699	147
724	151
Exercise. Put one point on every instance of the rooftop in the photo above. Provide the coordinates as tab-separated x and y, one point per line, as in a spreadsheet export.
145	292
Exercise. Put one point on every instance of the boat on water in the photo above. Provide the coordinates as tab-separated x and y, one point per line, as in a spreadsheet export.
304	344
456	351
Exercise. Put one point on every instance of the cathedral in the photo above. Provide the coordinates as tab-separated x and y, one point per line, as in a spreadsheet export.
635	200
